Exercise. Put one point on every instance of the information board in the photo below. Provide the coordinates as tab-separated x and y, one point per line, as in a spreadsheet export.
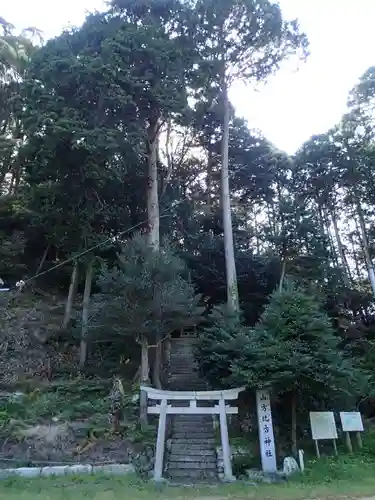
323	425
351	421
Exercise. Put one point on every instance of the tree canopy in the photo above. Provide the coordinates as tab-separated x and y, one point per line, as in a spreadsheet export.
124	125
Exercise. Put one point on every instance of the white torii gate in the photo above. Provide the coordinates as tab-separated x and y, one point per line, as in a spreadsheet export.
163	409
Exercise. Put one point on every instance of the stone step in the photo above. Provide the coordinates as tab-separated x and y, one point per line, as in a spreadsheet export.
187	426
194	443
197	458
202	465
189	435
183	369
193	428
182	361
179	425
192	449
183	341
187	373
186	355
177	368
185	352
182	345
183	348
198	418
186	451
201	433
193	474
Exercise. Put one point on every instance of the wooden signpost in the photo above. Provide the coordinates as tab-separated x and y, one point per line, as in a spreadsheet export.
351	421
323	426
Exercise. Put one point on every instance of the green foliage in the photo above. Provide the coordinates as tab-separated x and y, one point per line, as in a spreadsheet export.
241	463
79	118
148	294
218	345
292	348
329	470
249	37
78	401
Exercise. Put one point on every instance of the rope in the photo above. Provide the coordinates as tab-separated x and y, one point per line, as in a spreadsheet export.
21	284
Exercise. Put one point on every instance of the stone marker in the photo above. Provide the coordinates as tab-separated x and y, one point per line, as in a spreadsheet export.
290	466
265	429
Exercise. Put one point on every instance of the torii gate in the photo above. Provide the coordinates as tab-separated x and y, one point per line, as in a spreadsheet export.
163	409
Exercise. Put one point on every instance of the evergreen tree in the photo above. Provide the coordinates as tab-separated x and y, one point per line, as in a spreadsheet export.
148	296
293	351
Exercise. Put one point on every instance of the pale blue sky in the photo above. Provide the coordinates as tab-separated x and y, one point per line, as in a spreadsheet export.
294	104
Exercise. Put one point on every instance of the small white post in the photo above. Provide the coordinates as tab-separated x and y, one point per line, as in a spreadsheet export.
301	460
160	442
228	474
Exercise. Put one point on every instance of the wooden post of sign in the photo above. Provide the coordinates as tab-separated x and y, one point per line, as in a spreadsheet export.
348	442
359	440
335	446
317	448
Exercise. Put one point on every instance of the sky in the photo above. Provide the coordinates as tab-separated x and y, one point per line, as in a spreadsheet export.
301	99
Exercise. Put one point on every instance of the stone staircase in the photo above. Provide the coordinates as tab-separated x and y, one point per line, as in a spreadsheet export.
191	454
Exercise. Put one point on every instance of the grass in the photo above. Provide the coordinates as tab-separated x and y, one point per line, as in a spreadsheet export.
329	478
345	476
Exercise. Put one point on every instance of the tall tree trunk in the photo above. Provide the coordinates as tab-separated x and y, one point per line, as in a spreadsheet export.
43	259
157	362
153	215
369	264
71	296
230	264
355	257
17	179
145	365
340	247
332	245
85	313
282	275
209	180
2	183
294	422
11	183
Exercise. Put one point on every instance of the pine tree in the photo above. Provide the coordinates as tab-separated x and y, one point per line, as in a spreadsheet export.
148	297
294	351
